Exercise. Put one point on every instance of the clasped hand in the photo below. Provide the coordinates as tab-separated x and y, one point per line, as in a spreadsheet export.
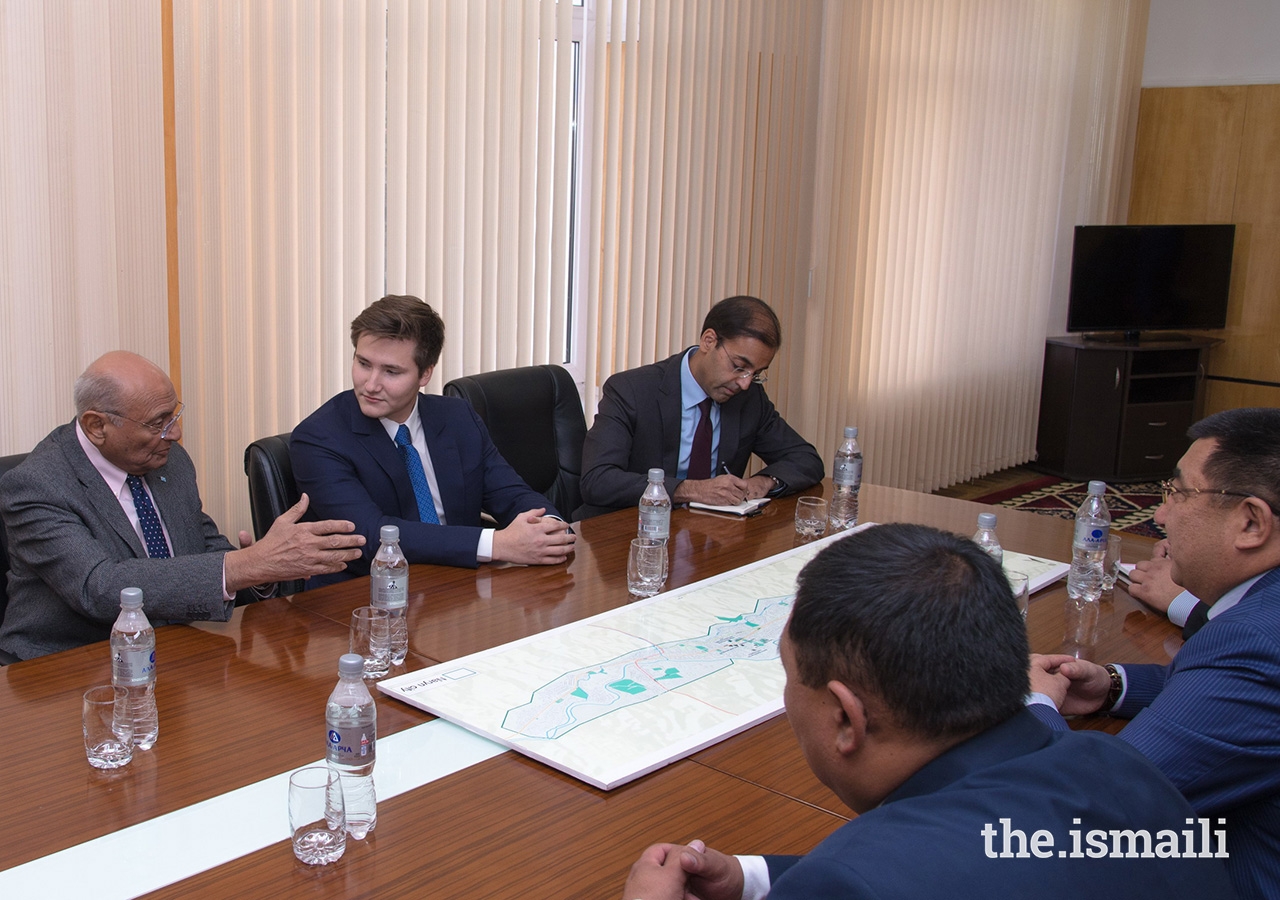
681	871
534	539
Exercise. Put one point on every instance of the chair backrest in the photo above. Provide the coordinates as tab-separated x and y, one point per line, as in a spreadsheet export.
534	415
6	463
272	489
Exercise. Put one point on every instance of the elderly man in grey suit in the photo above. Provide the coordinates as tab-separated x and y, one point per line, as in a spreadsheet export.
109	501
699	415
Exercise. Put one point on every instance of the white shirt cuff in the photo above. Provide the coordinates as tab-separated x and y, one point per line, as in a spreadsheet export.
1036	697
1124	680
484	549
755	877
1181	607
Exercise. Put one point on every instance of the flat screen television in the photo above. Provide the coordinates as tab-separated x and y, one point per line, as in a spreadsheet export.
1134	278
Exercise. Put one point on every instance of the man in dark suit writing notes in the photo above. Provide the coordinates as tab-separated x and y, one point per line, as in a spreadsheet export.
699	415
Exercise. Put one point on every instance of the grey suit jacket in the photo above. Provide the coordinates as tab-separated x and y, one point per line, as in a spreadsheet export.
637	427
72	550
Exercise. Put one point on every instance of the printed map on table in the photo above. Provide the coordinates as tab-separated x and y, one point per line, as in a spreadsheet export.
610	698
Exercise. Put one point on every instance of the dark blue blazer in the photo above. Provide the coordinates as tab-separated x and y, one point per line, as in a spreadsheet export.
1211	721
926	839
350	468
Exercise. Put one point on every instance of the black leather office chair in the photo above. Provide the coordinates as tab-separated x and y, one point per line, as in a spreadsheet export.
534	416
272	489
6	463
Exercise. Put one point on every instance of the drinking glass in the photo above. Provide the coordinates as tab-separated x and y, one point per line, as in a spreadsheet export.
108	727
1018	584
1111	565
811	517
371	638
646	566
317	816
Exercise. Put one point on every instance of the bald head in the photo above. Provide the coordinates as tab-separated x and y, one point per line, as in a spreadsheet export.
123	402
113	379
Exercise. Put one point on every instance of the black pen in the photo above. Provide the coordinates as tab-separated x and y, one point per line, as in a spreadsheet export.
724	469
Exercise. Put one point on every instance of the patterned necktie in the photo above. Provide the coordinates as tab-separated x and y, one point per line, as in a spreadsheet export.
421	490
700	452
1196	620
152	533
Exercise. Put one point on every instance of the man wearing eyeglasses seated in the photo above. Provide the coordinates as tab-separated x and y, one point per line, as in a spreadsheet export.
1210	719
699	415
109	501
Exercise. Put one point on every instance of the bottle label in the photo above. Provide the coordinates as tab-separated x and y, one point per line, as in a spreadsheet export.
354	746
847	472
130	667
655	522
1091	534
389	591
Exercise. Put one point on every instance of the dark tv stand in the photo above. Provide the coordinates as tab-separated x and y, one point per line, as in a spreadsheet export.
1119	411
1134	337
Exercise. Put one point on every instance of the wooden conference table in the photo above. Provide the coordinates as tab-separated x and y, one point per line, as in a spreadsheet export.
243	701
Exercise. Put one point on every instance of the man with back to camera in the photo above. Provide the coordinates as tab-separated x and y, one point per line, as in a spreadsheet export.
1211	718
110	501
905	659
385	454
699	415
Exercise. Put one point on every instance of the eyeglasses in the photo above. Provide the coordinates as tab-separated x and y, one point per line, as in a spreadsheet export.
1169	489
739	372
161	430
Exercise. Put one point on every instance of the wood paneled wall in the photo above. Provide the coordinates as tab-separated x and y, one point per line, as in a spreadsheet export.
1212	154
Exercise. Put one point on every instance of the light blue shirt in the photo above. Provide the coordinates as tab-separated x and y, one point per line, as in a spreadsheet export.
691	394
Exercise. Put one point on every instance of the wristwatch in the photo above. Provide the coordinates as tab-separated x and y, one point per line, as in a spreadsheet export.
778	487
1116	689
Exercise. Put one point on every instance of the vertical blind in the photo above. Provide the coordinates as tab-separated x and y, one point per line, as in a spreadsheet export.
479	142
702	169
82	228
896	178
958	142
280	156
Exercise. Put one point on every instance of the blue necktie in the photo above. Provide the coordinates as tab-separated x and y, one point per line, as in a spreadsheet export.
421	490
152	533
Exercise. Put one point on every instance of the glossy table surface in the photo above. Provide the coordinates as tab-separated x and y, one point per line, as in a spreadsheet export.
243	701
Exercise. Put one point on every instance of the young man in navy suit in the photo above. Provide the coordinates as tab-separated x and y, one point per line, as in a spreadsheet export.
385	454
1210	719
905	659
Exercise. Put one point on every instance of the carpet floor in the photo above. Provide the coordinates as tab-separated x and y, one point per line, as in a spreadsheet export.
1132	505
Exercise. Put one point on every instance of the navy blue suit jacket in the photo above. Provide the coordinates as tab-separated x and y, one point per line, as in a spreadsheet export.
926	839
1211	721
350	468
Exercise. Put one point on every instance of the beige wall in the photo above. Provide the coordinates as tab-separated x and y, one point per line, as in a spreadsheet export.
1212	154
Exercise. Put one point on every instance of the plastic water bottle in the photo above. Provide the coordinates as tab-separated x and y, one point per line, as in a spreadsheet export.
133	666
985	537
846	475
1089	546
352	721
389	589
655	508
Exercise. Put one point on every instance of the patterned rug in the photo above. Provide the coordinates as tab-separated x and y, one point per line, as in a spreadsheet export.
1131	505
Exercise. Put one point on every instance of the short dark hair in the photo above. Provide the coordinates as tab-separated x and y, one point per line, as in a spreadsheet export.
406	318
921	618
1247	458
745	317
